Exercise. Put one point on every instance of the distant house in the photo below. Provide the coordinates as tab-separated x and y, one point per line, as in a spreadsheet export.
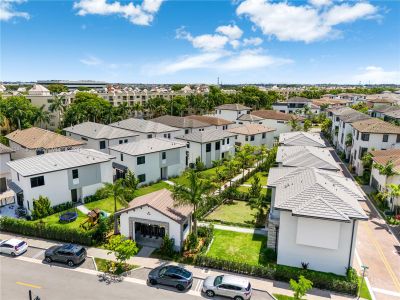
231	111
379	101
392	116
5	174
253	134
334	115
187	125
99	136
151	217
380	181
208	146
148	129
293	105
379	111
301	138
216	123
61	176
36	141
278	120
249	119
151	160
372	134
313	218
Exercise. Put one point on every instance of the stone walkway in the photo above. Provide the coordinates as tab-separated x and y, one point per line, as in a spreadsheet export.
169	182
83	209
145	251
259	231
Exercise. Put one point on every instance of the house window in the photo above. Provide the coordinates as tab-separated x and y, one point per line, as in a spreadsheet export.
224	127
102	144
362	152
122	157
164	155
208	147
75	174
18	176
187	145
358	135
246	138
252	138
149	136
37	181
385	138
263	135
125	141
120	142
227	141
82	138
223	142
217	145
142	177
186	131
39	151
141	160
365	136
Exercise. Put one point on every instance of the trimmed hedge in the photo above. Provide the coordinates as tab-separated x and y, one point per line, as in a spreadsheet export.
326	281
46	231
63	206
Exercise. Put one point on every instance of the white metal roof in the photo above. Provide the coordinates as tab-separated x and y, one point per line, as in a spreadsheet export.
144	126
301	138
99	131
148	146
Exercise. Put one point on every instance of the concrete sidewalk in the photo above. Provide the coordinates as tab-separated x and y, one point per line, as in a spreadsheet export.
272	287
236	228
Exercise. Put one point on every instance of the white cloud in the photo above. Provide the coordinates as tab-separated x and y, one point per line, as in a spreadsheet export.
91	60
142	14
320	2
255	41
302	22
206	42
233	32
8	12
377	75
235	44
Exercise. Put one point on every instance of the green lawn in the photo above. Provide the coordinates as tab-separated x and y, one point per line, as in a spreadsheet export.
282	297
54	220
245	189
152	188
208	174
263	178
242	247
237	212
106	205
364	291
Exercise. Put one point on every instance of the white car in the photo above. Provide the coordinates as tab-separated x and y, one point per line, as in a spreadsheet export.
13	247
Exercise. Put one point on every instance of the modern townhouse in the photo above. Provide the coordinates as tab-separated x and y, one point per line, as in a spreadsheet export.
254	135
231	111
372	134
353	97
333	114
216	123
373	102
278	120
61	176
293	105
208	146
151	160
36	141
330	103
313	218
306	156
301	138
100	137
5	173
382	182
148	129
379	111
186	125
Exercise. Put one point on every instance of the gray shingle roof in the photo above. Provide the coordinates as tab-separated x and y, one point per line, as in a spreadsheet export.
148	146
234	106
179	122
338	111
144	126
206	136
249	117
306	156
298	100
353	116
56	161
99	131
301	138
311	192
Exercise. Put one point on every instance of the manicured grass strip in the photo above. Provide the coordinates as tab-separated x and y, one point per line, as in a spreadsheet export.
364	291
263	178
245	189
207	174
241	247
152	188
54	220
238	212
106	205
282	297
102	266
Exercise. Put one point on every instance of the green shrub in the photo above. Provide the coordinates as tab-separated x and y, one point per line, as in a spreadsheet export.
41	208
47	231
167	247
191	241
62	207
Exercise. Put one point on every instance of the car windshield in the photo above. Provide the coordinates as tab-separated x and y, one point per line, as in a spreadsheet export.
21	244
217	280
162	271
183	272
80	251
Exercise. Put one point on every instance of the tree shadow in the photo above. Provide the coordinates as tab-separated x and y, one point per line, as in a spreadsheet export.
110	278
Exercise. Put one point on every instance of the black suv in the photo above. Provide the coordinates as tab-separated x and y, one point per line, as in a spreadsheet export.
69	253
171	275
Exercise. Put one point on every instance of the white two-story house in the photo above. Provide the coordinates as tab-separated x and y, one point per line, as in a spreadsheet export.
372	134
99	136
254	135
151	159
61	176
214	122
293	105
333	114
231	111
187	125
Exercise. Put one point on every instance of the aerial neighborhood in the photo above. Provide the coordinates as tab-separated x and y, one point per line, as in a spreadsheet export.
279	189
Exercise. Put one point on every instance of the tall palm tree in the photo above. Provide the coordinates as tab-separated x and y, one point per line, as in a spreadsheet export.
115	190
394	192
194	194
57	105
42	116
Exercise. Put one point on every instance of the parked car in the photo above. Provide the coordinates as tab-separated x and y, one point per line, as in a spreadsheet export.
230	286
175	276
13	247
69	253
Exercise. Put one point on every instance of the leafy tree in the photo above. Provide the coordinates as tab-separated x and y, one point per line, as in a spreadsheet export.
231	167
177	87
294	124
301	287
307	125
41	208
361	107
367	160
115	190
83	88
18	112
41	116
255	189
193	194
131	182
57	88
245	156
326	128
394	191
387	169
349	140
122	248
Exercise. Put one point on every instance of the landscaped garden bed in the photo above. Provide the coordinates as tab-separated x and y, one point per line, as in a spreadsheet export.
109	266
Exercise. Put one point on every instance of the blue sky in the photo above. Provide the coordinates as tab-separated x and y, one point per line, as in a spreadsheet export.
155	41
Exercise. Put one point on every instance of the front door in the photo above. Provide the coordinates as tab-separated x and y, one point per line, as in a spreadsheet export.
20	199
164	172
74	195
3	185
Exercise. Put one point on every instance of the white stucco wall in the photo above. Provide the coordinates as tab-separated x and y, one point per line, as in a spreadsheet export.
230	115
4	168
280	126
382	183
311	244
268	140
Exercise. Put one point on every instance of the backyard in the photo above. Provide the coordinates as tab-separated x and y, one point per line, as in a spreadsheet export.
207	174
106	205
262	175
241	247
54	220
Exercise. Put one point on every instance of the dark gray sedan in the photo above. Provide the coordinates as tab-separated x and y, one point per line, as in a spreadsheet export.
69	254
175	276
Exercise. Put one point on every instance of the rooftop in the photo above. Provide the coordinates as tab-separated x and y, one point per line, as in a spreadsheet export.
251	129
148	146
374	125
211	120
38	138
206	136
4	149
353	116
56	161
298	100
275	115
382	157
163	202
249	117
144	126
99	131
301	138
180	122
234	106
314	193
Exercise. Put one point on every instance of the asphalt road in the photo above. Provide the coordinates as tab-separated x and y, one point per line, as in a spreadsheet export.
49	282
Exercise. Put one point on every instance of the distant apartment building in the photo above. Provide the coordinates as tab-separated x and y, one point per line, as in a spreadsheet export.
293	105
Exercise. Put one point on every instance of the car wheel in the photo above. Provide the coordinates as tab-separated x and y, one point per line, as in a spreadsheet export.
180	287
210	293
237	298
153	281
70	263
13	254
48	259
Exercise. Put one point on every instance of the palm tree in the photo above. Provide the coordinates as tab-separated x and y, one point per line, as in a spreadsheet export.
245	156
131	182
42	116
57	105
293	123
115	190
394	192
193	194
231	168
